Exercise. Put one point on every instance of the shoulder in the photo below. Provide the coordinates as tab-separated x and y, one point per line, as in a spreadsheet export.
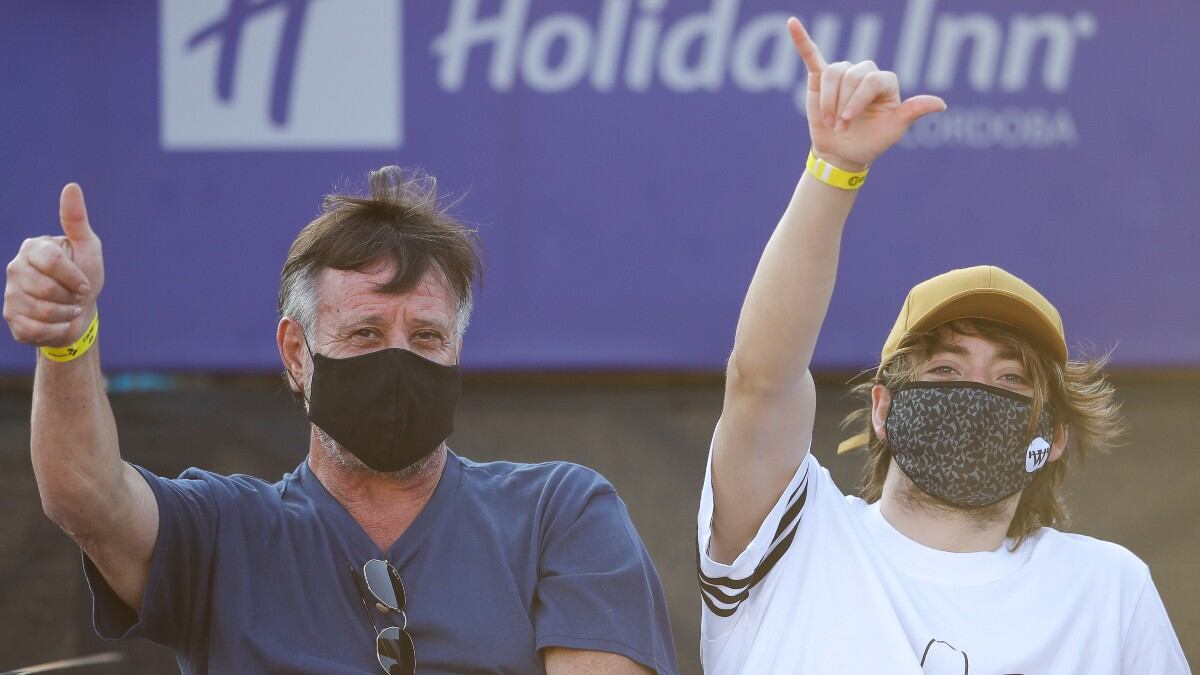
541	479
551	492
237	483
1079	554
196	485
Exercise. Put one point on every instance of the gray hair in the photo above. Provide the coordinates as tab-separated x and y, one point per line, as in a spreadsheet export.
401	221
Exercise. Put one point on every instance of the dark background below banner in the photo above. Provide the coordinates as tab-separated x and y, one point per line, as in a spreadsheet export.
649	435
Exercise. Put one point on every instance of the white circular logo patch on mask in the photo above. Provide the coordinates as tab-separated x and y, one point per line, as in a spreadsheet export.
1037	454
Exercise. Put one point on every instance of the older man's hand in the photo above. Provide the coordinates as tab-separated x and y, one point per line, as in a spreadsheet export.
54	281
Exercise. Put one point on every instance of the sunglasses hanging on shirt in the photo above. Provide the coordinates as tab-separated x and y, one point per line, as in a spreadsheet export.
393	645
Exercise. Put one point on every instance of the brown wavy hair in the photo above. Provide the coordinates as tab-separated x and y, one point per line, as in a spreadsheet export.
1078	394
401	221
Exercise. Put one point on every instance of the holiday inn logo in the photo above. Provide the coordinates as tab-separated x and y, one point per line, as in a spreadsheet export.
328	74
280	74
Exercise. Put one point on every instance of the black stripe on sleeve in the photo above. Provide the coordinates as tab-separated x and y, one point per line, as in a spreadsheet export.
723	595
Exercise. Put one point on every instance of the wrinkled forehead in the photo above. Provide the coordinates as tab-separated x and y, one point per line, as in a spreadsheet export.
341	291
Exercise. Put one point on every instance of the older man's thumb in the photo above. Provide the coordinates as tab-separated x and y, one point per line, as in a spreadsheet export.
72	213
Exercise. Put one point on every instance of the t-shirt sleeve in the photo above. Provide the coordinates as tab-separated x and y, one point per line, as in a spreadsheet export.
725	587
1150	644
597	588
175	602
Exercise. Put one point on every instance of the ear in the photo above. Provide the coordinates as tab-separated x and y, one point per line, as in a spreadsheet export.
881	402
289	337
1059	446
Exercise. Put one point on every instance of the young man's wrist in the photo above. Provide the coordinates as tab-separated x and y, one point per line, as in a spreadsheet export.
840	162
827	172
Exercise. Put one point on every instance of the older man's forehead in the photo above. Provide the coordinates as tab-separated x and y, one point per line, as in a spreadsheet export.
350	289
369	280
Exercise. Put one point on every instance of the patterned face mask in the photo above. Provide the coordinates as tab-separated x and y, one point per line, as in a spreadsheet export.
966	443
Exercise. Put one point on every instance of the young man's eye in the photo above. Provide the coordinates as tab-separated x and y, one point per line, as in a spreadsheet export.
1014	378
941	370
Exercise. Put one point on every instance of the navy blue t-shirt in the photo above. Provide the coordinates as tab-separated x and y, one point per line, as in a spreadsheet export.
505	560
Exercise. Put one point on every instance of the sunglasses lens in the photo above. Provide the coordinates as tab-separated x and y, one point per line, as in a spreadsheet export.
384	581
396	653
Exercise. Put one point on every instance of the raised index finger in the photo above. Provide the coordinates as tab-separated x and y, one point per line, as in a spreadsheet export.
813	61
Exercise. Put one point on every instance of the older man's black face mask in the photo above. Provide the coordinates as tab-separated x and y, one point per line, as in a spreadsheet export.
388	408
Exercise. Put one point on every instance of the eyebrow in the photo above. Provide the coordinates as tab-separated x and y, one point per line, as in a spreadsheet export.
377	320
437	322
1006	354
370	320
949	349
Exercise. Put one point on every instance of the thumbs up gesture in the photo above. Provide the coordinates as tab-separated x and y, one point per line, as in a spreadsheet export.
53	283
855	112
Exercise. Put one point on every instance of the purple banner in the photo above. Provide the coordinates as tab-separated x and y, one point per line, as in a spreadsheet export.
624	161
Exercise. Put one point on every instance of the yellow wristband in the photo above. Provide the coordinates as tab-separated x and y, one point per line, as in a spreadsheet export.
79	347
831	175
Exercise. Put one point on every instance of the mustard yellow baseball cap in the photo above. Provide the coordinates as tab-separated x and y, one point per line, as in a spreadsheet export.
981	292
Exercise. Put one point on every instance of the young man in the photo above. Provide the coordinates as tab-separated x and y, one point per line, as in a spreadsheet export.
949	563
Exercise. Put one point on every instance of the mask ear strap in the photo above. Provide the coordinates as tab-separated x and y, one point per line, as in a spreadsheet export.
289	370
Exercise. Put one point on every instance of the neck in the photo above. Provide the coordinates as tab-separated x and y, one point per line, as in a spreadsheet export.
383	504
938	525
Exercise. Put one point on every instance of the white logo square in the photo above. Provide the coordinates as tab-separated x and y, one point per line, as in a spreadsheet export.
280	74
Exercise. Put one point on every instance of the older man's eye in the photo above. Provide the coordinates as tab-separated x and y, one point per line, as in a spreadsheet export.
428	336
366	333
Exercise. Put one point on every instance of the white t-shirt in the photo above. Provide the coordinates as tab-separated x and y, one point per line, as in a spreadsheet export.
829	586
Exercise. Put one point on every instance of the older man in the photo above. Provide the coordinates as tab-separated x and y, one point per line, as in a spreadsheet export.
383	548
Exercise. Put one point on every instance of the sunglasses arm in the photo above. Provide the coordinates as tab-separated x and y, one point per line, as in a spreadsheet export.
362	596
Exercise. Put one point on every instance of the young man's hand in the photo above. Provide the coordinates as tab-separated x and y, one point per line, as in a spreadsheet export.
855	112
